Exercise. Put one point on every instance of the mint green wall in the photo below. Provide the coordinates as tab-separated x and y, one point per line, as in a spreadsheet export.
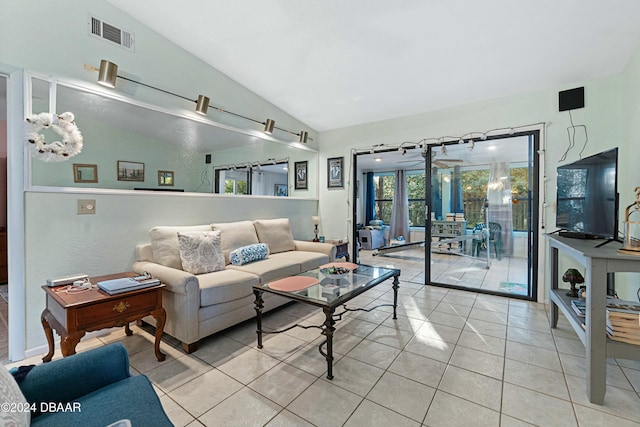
60	243
601	115
57	241
627	285
105	145
61	47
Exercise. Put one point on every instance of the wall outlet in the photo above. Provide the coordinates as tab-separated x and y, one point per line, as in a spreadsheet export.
86	207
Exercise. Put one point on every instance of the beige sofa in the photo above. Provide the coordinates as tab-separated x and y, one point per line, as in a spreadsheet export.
199	305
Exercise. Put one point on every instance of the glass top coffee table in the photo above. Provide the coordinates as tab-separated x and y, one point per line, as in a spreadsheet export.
329	292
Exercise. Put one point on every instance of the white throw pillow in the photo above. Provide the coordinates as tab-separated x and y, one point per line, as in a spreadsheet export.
164	243
201	251
10	393
276	233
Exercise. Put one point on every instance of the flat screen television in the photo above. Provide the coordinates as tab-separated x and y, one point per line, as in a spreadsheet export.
587	196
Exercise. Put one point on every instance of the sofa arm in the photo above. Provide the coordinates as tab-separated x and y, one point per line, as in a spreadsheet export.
177	281
324	248
65	380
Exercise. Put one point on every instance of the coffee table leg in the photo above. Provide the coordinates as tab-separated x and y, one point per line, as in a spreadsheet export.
328	331
259	305
395	295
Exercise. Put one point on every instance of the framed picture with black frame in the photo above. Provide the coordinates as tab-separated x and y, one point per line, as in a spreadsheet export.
301	181
335	175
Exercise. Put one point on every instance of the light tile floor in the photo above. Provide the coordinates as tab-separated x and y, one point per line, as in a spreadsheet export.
507	275
452	358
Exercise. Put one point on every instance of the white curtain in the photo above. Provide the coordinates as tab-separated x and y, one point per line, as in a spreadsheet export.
400	209
500	200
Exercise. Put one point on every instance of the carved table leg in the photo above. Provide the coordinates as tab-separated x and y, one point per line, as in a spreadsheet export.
161	317
48	332
68	342
259	305
127	330
328	331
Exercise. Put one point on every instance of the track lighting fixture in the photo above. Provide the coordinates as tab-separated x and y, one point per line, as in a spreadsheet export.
268	126
443	150
304	135
461	141
471	145
107	73
202	105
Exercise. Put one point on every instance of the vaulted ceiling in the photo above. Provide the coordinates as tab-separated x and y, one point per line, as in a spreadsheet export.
336	63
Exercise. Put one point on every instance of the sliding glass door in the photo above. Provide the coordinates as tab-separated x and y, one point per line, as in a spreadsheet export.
482	215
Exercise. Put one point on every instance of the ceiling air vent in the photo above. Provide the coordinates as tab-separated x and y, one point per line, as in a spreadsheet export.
105	31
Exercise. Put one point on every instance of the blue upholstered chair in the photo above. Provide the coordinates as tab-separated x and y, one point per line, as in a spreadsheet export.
98	380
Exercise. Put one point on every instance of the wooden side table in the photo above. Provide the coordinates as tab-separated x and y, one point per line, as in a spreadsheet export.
342	248
73	314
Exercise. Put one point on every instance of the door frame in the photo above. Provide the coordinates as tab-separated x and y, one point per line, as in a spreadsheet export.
533	234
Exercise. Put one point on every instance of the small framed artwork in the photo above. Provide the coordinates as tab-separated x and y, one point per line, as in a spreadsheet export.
335	172
280	190
165	178
301	176
130	171
85	173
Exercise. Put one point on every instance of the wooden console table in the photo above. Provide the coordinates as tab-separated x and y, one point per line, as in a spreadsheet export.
72	314
600	263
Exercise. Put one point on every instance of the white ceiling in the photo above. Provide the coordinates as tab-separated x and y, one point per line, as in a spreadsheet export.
336	63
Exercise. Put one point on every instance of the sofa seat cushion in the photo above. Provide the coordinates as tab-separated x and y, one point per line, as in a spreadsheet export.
276	233
236	235
215	310
122	399
165	246
225	285
269	269
305	260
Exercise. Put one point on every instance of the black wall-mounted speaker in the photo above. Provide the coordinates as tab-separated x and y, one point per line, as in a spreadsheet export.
207	158
571	99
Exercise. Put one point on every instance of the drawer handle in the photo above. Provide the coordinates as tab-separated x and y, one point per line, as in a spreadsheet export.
121	306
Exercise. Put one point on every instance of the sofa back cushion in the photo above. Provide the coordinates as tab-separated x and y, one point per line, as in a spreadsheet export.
201	251
276	233
235	235
165	246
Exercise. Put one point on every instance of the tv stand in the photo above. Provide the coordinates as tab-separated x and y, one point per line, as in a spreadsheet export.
600	265
608	241
575	235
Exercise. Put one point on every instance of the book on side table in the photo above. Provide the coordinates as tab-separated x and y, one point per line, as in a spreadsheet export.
127	284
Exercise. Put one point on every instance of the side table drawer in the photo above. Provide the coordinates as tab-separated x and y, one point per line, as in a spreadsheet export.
117	309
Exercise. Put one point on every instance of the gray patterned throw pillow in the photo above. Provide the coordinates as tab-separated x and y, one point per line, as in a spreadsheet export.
201	251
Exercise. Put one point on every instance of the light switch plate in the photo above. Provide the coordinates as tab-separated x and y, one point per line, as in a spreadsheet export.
86	207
